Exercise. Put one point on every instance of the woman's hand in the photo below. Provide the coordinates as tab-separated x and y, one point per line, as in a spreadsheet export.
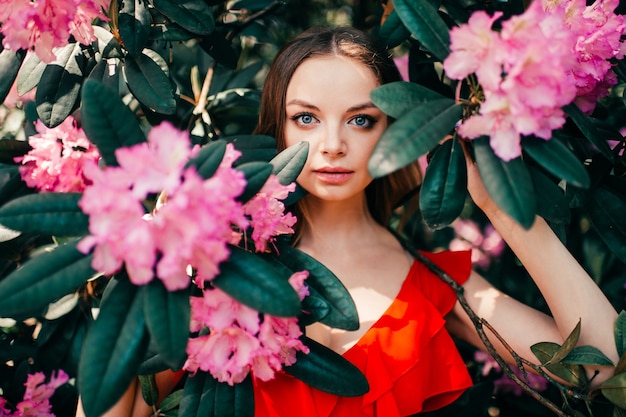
475	184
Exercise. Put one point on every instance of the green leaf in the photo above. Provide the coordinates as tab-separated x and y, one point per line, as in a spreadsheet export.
134	25
10	63
314	308
253	147
443	191
102	73
251	280
172	401
393	32
149	84
621	364
11	184
256	174
288	164
193	15
11	148
614	389
220	49
574	374
208	159
59	86
30	74
587	355
557	159
605	210
108	44
508	183
166	313
414	134
107	122
55	214
619	412
327	371
342	312
424	22
567	346
149	389
236	400
620	333
244	77
113	348
204	396
398	98
552	206
198	398
588	128
45	278
254	5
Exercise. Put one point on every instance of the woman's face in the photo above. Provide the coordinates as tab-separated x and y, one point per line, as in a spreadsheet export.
328	105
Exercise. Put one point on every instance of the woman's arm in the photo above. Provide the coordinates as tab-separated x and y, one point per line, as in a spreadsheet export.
132	403
569	291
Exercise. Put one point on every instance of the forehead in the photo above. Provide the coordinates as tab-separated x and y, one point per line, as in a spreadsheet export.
332	77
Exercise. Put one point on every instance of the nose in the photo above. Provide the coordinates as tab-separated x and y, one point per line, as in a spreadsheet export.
333	143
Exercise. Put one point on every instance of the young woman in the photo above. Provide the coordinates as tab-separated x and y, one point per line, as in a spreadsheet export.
318	90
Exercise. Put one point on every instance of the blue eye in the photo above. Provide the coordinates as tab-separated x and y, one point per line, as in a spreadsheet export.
303	119
363	121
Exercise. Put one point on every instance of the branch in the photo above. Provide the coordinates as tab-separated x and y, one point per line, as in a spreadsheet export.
480	323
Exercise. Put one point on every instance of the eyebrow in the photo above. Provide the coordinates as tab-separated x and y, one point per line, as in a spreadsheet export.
358	107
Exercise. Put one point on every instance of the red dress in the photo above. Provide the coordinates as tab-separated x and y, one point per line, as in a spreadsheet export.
407	356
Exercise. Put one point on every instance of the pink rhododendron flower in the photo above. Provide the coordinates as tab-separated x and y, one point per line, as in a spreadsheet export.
57	159
4	412
43	25
551	55
156	165
267	212
476	48
598	38
485	244
504	384
193	228
36	402
239	341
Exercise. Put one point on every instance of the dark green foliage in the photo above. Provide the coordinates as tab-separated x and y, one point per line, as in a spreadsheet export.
199	65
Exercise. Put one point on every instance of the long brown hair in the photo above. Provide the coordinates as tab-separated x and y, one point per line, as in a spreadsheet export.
383	194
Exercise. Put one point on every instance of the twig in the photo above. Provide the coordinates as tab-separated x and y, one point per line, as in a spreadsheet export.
479	324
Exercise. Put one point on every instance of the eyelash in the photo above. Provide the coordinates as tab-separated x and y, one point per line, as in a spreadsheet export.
371	121
298	116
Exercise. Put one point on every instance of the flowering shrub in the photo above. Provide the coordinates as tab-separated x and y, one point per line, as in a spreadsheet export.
553	54
36	402
43	25
486	244
58	158
238	340
202	206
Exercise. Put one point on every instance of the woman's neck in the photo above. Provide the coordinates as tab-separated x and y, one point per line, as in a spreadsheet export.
336	225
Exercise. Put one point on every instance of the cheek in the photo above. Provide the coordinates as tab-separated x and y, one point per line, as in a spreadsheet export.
290	136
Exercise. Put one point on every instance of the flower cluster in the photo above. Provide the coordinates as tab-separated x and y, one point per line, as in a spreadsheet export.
486	245
36	402
194	227
57	158
239	341
47	24
549	56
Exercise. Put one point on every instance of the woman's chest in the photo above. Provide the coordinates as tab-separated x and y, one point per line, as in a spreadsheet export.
373	286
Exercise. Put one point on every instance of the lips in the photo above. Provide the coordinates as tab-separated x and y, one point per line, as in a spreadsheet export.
333	175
